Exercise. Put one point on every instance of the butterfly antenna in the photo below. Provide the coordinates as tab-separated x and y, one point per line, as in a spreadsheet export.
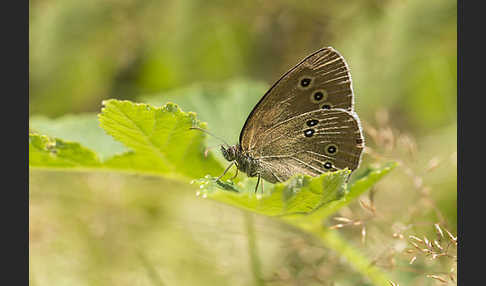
209	133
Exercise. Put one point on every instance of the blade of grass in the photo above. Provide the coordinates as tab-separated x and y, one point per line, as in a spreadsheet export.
253	251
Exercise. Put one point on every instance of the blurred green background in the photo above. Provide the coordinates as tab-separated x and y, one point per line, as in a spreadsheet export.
114	229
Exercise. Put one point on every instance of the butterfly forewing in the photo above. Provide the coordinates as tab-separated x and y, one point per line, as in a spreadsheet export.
310	143
320	82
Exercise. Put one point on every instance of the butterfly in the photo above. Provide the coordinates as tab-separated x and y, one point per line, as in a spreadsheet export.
304	124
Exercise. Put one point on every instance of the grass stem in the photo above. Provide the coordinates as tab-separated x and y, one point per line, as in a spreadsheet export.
253	251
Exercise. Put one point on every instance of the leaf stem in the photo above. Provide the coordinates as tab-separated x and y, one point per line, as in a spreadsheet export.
253	251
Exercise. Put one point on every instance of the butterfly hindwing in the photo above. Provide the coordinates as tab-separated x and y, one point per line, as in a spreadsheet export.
311	143
320	81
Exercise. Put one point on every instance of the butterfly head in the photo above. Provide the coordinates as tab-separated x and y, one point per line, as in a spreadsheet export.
230	152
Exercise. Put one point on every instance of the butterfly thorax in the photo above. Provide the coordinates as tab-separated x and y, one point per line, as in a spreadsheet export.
244	161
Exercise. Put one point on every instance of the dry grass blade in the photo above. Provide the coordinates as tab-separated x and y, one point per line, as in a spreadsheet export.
343	219
426	251
393	283
367	207
413	260
439	230
415	238
437	245
436	277
415	245
427	242
336	226
452	237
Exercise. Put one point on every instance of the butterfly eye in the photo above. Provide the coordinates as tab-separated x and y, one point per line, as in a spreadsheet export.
312	122
328	165
309	132
305	82
331	149
326	106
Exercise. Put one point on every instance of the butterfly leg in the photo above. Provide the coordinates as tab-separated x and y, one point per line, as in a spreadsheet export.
236	174
258	182
225	171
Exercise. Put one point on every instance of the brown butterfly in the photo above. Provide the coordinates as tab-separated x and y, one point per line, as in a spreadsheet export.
305	124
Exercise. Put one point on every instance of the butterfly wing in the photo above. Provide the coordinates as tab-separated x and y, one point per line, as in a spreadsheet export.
320	81
310	143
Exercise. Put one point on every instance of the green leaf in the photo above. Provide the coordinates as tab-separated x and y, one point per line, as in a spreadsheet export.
82	128
224	107
356	189
301	195
45	151
159	138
